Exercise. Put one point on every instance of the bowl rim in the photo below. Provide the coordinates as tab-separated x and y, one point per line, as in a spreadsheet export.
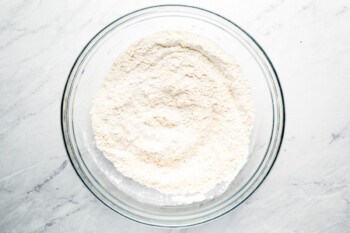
70	151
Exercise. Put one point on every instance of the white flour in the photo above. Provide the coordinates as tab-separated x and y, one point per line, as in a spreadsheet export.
174	114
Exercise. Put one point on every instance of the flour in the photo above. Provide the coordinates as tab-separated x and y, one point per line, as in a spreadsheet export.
174	114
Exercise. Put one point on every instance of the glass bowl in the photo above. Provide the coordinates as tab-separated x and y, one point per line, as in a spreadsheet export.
122	194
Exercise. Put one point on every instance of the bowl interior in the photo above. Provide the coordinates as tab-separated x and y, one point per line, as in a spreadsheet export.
123	194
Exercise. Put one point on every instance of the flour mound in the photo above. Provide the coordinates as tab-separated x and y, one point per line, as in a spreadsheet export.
174	114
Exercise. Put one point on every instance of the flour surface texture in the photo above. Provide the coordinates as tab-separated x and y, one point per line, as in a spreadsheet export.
174	114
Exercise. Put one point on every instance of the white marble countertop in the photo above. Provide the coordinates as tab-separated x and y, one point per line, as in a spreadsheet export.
308	189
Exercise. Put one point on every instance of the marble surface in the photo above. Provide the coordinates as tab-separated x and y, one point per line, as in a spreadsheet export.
308	188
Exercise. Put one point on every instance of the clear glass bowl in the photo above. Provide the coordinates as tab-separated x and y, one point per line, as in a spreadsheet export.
122	194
